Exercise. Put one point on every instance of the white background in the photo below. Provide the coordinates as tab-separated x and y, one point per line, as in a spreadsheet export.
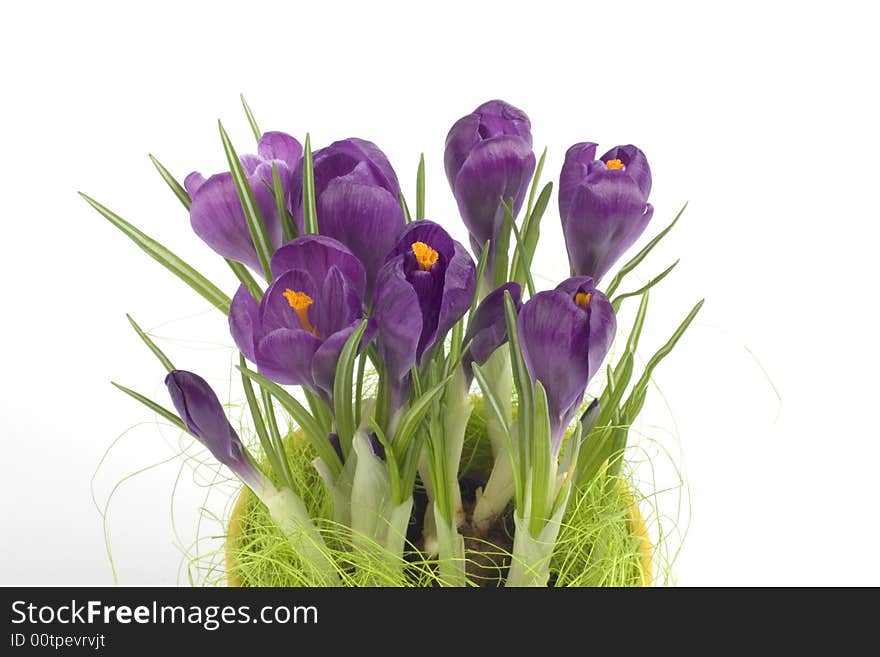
762	115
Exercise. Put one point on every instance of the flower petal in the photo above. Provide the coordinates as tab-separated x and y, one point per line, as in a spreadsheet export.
337	305
275	308
316	254
488	328
201	411
364	217
280	146
216	217
244	322
574	171
635	165
500	167
399	322
285	356
327	356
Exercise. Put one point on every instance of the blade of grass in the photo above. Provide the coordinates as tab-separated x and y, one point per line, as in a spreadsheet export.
420	188
403	206
615	303
153	406
301	416
166	362
641	255
166	258
250	118
255	224
170	180
310	211
288	227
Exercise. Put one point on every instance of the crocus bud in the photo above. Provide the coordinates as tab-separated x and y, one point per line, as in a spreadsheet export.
356	194
565	335
216	215
603	204
488	328
203	415
489	158
426	286
297	331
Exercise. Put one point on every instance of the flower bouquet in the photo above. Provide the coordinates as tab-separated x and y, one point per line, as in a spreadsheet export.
417	412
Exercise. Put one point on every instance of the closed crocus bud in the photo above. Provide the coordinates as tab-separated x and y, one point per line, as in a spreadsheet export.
216	215
488	328
488	158
203	415
424	288
356	195
297	331
565	335
603	204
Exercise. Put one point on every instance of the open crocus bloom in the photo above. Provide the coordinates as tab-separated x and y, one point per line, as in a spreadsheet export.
425	286
296	333
216	215
488	158
603	204
356	194
201	412
565	335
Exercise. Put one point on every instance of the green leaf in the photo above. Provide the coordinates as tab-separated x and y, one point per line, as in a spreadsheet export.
238	269
530	283
536	180
319	410
149	403
481	269
420	188
637	397
316	437
166	362
409	423
498	410
250	118
521	379
531	232
255	224
310	210
169	260
641	255
540	460
403	206
175	186
615	303
502	252
288	226
269	447
342	389
275	437
397	491
244	276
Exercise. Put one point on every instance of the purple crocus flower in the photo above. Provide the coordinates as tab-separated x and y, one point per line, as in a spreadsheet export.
488	328
356	193
216	215
565	335
296	333
425	286
489	157
203	415
603	204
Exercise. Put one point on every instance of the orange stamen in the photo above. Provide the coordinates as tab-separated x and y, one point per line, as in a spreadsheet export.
300	302
425	255
616	165
582	299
